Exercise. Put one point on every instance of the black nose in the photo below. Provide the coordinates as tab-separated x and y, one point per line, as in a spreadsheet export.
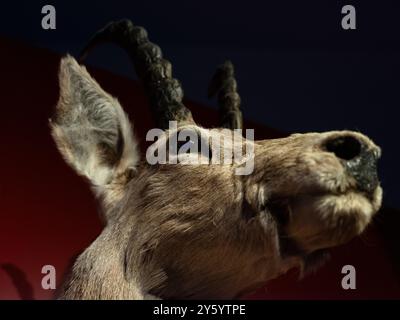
346	148
359	162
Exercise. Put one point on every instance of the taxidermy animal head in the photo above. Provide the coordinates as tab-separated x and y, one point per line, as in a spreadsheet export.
188	229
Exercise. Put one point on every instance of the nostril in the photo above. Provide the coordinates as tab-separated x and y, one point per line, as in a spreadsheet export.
345	147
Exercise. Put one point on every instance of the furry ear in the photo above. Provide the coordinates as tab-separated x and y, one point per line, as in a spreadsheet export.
90	128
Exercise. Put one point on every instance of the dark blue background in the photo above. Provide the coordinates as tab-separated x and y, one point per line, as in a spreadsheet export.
297	69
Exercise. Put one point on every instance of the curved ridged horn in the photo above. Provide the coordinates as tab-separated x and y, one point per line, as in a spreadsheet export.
155	72
224	84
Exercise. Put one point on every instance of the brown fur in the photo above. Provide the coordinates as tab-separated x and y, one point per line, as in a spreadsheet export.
199	231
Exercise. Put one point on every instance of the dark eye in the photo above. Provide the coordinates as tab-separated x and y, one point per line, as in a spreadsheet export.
189	145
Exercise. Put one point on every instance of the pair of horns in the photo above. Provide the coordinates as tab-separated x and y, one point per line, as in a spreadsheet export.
165	92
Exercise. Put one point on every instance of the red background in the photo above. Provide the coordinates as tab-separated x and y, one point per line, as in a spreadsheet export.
48	215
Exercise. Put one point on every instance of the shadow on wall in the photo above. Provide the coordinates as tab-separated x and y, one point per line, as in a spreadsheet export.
19	280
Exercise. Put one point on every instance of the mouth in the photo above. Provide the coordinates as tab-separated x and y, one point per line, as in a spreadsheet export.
289	247
311	221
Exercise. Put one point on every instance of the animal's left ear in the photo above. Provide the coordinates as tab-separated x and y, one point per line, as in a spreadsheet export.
90	128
